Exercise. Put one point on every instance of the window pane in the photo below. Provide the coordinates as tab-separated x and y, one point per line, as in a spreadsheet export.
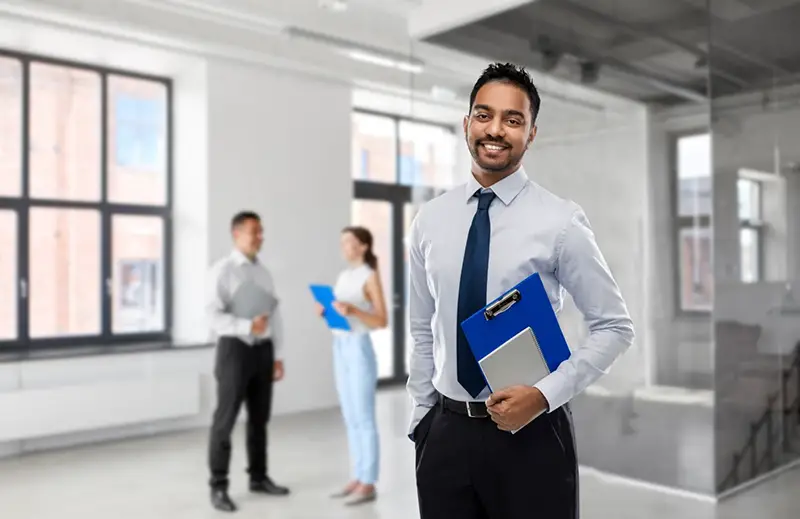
749	255
8	275
694	175
377	217
749	198
137	141
427	155
138	270
374	143
64	133
10	127
697	281
64	272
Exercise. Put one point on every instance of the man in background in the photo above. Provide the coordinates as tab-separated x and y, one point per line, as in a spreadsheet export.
243	313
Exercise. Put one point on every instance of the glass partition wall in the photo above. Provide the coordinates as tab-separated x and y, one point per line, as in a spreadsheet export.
756	239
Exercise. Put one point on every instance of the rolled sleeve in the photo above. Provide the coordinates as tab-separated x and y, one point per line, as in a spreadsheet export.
584	273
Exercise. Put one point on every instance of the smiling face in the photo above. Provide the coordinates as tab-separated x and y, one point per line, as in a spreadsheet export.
499	129
248	237
352	249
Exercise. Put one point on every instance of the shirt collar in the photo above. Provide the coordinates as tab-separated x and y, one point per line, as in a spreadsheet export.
506	190
240	259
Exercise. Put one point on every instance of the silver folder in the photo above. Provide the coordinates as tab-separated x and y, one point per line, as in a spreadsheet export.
518	361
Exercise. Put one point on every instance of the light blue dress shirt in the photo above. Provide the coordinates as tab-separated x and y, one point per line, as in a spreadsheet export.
533	231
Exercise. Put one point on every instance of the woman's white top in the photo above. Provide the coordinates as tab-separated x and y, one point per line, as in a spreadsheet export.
349	288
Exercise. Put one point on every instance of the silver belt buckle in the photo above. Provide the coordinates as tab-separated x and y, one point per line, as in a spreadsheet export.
469	410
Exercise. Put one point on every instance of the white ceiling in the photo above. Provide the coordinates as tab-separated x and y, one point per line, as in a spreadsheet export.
251	29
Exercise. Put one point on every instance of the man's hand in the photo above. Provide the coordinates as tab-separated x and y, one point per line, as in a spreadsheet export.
516	406
277	370
320	310
343	308
259	325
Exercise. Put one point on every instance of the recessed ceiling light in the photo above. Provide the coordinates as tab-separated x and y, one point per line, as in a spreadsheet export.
385	61
336	6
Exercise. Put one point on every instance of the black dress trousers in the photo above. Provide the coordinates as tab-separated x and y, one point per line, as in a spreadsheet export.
469	469
244	374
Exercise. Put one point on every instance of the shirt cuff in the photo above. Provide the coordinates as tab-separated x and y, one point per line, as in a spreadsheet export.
243	327
555	390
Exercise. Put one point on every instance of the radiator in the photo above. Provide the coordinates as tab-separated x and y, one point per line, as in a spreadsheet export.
37	413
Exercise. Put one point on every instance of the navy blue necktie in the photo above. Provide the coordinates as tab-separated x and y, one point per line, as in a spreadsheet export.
472	292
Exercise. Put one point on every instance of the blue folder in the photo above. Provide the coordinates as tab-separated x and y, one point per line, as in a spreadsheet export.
324	296
524	306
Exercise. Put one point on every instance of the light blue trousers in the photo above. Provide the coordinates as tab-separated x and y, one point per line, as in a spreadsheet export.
356	373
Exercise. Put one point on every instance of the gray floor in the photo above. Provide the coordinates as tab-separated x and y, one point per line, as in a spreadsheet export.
164	477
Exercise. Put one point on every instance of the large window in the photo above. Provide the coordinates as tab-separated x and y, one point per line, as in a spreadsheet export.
694	195
693	215
392	150
397	164
84	205
750	229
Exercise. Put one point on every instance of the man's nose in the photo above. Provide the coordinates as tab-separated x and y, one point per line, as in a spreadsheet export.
495	129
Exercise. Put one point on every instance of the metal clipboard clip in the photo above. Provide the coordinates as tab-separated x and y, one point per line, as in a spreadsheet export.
501	305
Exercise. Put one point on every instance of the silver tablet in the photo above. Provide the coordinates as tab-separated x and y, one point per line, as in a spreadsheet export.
519	361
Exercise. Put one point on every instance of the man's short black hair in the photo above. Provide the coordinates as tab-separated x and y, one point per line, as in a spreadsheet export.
509	73
242	216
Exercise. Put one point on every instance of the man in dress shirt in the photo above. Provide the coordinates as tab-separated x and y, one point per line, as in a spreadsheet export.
468	247
243	313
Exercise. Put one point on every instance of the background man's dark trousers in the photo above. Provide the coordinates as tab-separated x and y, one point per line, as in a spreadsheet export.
467	468
244	374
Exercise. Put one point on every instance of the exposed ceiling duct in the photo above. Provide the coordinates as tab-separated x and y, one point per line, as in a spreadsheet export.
651	51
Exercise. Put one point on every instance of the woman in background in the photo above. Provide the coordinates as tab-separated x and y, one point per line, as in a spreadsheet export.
359	297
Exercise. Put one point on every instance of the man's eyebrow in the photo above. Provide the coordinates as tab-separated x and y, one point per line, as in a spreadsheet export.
487	108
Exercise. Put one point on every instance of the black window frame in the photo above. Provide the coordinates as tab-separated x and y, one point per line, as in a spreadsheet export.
22	204
398	195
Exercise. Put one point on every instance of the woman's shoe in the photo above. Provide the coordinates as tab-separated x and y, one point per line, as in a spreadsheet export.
359	498
347	490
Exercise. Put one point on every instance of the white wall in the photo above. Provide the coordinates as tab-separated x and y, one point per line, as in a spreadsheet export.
279	144
599	160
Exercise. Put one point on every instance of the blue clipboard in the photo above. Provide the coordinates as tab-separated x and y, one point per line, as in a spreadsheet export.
525	305
324	296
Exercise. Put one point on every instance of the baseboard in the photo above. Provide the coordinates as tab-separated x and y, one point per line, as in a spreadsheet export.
654	487
757	481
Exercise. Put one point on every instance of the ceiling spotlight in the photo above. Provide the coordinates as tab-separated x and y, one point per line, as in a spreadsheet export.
590	71
550	59
550	55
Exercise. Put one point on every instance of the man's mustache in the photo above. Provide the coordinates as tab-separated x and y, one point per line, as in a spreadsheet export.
499	142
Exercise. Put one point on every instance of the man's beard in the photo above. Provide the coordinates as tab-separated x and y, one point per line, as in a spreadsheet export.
494	167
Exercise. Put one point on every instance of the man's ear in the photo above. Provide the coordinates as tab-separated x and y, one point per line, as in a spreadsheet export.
466	125
532	135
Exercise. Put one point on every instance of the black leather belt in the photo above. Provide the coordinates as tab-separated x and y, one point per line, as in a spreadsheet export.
471	409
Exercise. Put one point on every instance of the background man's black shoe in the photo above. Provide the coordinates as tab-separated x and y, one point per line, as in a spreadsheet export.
221	501
267	486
